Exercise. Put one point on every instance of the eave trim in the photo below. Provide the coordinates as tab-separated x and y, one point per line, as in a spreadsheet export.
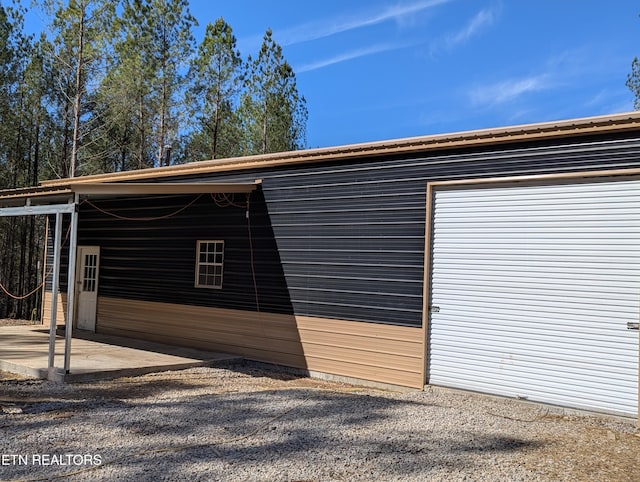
113	189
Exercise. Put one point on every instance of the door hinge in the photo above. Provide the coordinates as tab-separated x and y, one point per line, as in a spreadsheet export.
633	325
434	309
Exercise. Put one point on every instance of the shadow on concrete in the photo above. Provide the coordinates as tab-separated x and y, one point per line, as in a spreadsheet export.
24	350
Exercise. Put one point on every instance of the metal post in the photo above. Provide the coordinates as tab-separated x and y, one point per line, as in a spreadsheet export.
71	286
54	293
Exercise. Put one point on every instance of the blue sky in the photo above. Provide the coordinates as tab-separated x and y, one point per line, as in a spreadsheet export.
376	69
382	69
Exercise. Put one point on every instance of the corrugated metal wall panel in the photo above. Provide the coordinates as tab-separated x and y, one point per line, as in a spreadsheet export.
154	260
535	158
387	354
358	225
535	286
382	201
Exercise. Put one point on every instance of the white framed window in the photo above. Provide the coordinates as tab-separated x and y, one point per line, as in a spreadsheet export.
209	264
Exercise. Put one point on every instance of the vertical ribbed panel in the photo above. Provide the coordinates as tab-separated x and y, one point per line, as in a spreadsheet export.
535	287
350	233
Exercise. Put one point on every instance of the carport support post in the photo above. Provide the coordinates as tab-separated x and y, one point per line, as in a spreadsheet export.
71	286
54	293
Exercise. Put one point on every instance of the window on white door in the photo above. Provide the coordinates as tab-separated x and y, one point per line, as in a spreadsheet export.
90	273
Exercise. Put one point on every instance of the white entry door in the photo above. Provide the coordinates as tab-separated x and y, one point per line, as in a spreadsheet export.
88	264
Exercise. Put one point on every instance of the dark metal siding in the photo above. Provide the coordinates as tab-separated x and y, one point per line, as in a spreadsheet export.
351	235
335	240
155	260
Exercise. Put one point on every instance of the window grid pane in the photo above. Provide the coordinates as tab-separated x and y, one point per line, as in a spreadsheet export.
210	262
90	272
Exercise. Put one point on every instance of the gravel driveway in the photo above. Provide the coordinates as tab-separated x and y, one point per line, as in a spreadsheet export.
250	423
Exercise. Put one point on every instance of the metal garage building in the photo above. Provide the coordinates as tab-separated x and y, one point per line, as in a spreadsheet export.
501	260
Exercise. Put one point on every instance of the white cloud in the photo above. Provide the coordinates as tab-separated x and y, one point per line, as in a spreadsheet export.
580	81
623	106
354	54
509	90
611	101
599	98
326	28
479	22
482	19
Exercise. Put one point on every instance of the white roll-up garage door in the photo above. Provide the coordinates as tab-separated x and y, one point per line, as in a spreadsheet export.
534	287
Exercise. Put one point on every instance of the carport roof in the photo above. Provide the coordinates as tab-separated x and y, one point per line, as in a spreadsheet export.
63	193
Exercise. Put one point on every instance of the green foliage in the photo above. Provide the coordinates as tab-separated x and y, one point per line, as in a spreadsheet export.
633	82
24	125
216	75
140	99
273	113
16	101
112	83
80	30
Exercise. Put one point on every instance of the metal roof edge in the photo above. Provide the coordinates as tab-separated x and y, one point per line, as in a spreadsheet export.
543	130
106	189
139	188
50	189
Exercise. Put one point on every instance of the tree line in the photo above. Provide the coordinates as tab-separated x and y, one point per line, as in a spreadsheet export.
115	85
118	85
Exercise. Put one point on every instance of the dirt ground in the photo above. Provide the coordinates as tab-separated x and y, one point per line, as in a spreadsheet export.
525	439
12	322
550	446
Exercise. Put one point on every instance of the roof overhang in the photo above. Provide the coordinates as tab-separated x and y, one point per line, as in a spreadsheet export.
29	210
141	189
48	199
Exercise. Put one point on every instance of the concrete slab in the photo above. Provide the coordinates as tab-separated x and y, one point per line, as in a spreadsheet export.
25	350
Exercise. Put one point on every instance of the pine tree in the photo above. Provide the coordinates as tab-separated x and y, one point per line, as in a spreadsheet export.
79	47
5	82
273	113
22	116
633	82
172	47
141	97
216	75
